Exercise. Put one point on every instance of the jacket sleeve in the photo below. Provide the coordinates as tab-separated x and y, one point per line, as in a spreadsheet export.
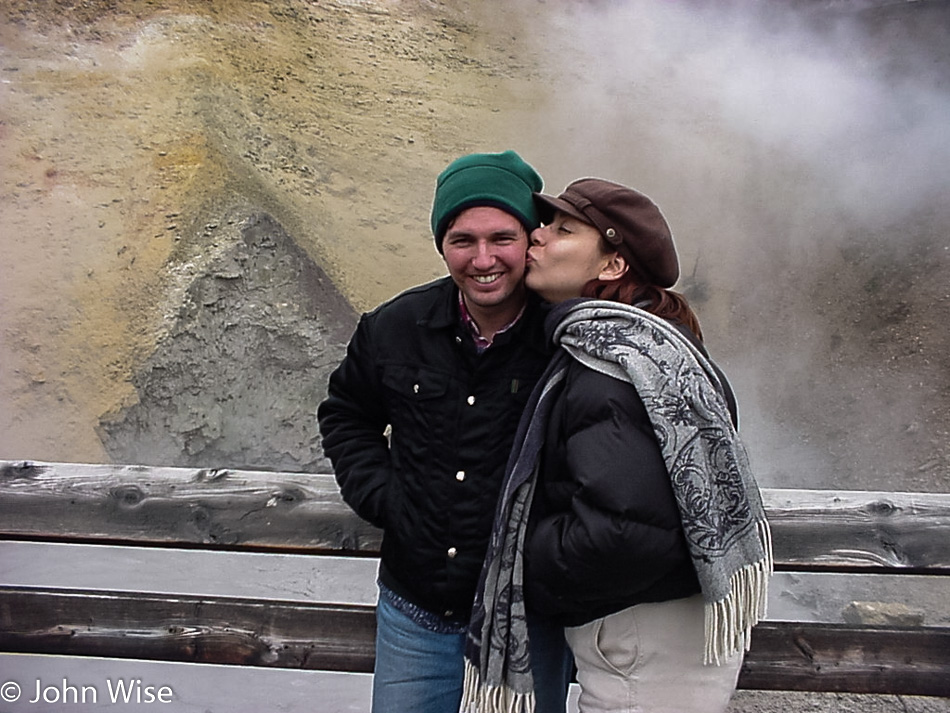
352	423
622	531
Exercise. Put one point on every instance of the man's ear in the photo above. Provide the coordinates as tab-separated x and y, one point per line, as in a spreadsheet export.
615	268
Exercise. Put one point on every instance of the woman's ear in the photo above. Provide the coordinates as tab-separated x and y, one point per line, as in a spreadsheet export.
615	268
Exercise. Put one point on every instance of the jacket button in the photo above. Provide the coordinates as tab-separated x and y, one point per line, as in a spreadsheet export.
415	388
460	476
471	400
452	552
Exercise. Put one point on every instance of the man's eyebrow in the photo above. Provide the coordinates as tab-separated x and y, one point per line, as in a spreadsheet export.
505	232
501	233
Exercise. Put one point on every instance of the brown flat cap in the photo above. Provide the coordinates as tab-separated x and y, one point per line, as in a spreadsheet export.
626	219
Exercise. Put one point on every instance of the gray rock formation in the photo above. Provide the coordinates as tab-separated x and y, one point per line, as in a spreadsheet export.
236	380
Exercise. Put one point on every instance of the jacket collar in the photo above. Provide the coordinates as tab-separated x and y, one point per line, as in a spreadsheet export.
444	314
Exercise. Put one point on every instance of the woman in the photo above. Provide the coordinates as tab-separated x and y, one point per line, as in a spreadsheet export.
629	513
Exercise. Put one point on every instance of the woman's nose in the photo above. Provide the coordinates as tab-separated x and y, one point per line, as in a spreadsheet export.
535	237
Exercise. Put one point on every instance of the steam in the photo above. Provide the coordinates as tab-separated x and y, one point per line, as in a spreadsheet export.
801	152
648	91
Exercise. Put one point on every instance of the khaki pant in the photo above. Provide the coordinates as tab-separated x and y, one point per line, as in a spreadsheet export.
649	659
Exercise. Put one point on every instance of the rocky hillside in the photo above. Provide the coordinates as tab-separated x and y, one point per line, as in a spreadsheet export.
799	152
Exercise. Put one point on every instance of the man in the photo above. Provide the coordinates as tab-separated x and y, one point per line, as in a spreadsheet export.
447	368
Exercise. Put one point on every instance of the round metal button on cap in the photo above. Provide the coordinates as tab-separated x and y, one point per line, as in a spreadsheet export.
460	476
452	552
471	400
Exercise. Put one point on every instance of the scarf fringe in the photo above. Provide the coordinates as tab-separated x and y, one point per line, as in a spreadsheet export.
481	698
729	621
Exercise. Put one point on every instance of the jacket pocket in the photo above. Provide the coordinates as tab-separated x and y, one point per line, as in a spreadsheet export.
417	401
414	384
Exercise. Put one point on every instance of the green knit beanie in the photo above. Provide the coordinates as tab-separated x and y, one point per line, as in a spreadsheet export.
501	180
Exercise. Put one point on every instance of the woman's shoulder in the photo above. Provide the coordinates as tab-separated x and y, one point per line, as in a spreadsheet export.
591	392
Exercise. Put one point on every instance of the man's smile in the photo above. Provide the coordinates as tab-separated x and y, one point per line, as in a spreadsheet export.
486	279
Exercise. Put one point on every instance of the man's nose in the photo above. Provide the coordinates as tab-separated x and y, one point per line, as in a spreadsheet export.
484	257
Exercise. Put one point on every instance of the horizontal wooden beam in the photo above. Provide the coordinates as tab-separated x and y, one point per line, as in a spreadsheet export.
833	531
180	507
840	658
783	656
859	531
166	627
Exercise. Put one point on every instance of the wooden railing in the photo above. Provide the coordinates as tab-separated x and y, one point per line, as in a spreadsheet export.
244	511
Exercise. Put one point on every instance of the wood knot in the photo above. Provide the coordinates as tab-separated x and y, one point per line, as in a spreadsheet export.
211	475
22	469
287	495
883	507
806	649
128	496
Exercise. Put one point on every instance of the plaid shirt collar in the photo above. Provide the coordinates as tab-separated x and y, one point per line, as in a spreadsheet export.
482	343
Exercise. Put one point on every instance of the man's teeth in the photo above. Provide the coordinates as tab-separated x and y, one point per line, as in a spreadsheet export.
485	279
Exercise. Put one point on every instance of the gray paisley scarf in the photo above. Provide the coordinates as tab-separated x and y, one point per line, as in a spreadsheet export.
719	502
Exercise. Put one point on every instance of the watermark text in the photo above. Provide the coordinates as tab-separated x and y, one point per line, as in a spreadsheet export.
64	691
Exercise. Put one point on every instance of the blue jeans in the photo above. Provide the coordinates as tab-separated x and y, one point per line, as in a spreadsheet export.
421	671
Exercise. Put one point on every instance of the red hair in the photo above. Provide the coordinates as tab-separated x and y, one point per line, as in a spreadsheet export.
669	305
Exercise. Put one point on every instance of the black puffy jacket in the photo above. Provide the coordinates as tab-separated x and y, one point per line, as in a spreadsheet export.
433	487
605	531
